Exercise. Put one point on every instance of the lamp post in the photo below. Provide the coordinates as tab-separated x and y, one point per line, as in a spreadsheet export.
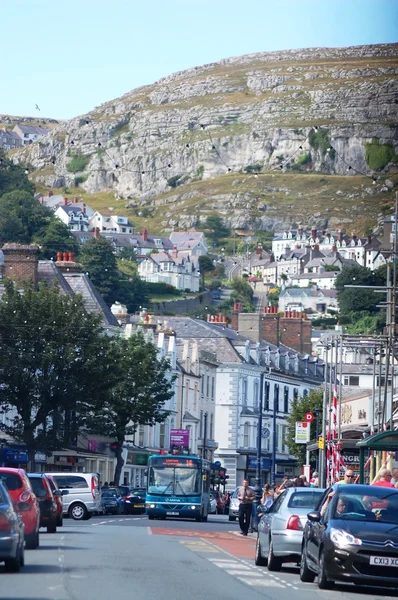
204	454
257	483
273	460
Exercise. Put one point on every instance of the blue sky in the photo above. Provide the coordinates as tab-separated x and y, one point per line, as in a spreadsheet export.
69	56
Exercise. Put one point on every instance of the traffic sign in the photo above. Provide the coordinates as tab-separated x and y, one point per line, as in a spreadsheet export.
309	417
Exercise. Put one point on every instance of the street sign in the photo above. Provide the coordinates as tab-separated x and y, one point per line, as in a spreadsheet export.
309	417
321	443
302	432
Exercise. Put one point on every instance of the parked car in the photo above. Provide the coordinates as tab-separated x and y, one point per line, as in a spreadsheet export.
18	485
233	511
47	503
12	539
212	505
58	498
135	501
111	501
280	528
352	536
84	497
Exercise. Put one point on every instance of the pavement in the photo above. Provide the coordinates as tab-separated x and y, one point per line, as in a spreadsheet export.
131	558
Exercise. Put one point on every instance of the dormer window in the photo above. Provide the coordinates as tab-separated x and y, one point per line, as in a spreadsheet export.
158	242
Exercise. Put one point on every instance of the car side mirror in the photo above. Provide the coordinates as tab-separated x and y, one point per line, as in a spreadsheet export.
64	492
314	517
57	493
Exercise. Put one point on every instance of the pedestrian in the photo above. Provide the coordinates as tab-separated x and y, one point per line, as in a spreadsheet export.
384	479
314	481
394	479
267	498
246	495
298	482
227	502
304	478
349	477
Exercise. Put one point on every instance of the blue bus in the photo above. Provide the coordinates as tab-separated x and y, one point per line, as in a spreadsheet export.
178	487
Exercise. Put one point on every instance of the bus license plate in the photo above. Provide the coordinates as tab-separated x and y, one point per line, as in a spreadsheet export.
173	513
384	561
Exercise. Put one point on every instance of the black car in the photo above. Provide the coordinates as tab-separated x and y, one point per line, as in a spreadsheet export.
111	501
352	536
12	539
47	503
135	502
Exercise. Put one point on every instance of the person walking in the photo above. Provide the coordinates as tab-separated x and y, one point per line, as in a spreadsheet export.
384	479
246	495
349	477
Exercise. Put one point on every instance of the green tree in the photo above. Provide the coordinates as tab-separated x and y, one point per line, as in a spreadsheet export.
55	237
300	406
356	300
13	177
99	261
128	253
21	217
52	356
215	229
139	396
133	292
206	265
242	292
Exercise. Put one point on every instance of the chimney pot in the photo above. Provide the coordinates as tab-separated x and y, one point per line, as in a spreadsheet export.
50	193
65	201
59	256
71	257
65	257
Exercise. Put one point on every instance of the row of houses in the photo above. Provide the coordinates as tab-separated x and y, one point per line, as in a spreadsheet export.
21	135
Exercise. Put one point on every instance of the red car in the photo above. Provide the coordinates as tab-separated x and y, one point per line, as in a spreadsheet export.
25	502
58	499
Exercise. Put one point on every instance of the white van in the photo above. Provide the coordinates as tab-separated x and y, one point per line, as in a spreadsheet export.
83	497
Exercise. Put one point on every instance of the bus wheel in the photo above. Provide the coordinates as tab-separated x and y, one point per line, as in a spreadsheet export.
204	519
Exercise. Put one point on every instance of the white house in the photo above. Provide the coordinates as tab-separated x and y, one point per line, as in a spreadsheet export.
307	299
110	223
30	133
323	280
171	269
75	216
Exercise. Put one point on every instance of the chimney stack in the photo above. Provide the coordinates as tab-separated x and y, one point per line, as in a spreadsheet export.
354	236
96	232
334	248
64	201
369	238
21	262
66	263
50	193
313	233
144	234
340	235
235	315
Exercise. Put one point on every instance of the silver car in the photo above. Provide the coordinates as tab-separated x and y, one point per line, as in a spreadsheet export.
233	511
280	529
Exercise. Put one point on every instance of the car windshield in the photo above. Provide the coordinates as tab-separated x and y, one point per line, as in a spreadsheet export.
304	499
174	481
109	493
380	505
140	492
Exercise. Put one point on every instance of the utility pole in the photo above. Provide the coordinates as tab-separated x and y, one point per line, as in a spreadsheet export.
204	453
257	483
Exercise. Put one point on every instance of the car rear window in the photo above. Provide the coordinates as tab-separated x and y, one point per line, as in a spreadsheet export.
304	500
11	480
70	481
37	484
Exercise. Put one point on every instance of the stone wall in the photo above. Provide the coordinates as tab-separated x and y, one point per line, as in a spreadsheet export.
182	306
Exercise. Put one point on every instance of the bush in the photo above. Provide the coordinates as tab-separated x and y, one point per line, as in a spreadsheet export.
379	155
161	289
319	140
199	173
78	163
255	168
173	181
80	179
304	159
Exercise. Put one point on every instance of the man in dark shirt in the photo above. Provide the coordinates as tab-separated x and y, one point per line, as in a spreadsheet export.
246	495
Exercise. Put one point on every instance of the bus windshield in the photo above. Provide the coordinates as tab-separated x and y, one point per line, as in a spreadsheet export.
174	481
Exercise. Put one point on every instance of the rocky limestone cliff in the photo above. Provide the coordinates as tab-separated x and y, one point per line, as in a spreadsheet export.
253	113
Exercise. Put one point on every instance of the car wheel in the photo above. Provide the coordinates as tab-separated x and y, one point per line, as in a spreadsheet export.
151	518
32	540
12	565
22	556
323	582
78	512
52	527
306	574
274	562
259	559
231	518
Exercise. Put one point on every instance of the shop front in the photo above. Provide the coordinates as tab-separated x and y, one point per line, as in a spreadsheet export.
135	468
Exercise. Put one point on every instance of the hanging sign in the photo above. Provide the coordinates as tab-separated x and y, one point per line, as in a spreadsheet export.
303	430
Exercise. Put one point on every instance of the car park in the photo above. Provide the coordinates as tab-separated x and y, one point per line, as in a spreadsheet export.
233	511
25	501
47	503
83	498
58	498
12	539
281	526
352	536
111	501
135	501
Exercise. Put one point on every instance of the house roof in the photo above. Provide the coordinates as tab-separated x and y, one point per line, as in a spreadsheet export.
321	275
33	129
93	301
9	134
300	292
186	239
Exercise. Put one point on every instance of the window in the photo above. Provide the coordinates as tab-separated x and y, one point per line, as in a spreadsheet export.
246	435
201	424
207	386
141	435
202	385
212	387
266	396
286	399
211	426
70	481
351	380
255	399
162	431
382	381
276	397
295	394
244	392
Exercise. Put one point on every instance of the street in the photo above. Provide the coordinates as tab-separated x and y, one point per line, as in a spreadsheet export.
128	557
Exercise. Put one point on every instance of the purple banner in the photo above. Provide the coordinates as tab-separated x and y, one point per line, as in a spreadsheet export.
179	437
